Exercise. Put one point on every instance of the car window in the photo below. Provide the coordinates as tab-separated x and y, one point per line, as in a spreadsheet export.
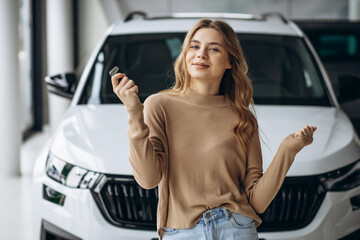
283	71
337	46
147	59
281	68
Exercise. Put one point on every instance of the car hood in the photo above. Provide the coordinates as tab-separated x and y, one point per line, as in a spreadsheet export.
95	137
335	142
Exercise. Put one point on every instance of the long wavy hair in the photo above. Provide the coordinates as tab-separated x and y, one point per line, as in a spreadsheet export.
235	84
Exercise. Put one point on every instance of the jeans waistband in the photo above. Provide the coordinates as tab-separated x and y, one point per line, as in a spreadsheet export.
214	214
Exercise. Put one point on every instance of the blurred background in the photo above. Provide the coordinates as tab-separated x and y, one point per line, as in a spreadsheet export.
42	37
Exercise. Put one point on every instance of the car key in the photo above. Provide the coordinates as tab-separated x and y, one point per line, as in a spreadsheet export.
113	71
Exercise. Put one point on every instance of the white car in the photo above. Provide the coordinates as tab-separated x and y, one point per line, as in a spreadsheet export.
83	183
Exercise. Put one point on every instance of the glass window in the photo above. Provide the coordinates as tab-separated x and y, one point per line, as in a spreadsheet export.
338	45
147	59
281	68
283	71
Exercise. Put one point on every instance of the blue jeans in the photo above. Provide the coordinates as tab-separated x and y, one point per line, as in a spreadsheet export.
216	224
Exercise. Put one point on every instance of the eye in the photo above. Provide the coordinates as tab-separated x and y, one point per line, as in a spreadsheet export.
194	46
214	49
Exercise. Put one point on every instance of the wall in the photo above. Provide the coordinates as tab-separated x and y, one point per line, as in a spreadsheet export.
92	24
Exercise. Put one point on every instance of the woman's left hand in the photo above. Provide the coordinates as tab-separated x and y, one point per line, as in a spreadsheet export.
305	134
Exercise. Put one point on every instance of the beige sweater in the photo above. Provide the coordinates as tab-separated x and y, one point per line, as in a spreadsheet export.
185	145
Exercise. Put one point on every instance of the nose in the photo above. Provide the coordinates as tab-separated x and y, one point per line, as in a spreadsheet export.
202	53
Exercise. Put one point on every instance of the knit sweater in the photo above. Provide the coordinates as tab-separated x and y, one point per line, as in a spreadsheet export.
185	145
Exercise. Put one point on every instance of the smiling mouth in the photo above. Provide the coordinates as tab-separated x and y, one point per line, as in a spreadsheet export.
200	65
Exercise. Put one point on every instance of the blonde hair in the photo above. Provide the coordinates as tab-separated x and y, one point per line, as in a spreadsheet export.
235	84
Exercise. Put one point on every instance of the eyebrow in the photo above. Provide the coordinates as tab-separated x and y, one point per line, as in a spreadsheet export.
210	43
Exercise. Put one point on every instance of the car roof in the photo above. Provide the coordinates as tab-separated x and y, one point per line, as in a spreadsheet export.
274	24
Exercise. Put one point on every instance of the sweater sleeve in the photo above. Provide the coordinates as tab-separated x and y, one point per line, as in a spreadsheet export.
147	141
262	188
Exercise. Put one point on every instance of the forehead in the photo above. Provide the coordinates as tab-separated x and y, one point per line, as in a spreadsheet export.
207	35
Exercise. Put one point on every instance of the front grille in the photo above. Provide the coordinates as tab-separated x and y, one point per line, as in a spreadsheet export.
124	203
295	205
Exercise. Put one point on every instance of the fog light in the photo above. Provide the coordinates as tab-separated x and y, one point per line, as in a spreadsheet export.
53	196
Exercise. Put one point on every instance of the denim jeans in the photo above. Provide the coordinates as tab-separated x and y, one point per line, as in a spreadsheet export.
216	224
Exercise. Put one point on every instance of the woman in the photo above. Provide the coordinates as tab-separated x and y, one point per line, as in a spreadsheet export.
199	142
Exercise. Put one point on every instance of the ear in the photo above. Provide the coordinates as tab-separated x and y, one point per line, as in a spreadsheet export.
228	66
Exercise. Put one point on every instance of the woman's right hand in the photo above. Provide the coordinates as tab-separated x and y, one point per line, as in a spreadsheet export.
125	89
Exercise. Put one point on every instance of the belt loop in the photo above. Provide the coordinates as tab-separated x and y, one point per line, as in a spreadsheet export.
227	214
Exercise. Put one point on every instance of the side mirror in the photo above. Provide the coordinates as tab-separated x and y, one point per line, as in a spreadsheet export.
62	84
349	87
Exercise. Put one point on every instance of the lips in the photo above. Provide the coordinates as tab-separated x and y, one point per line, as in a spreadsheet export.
200	64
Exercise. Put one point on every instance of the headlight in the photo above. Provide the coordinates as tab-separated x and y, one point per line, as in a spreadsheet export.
343	179
68	174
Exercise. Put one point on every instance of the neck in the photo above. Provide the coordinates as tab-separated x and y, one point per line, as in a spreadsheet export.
204	100
204	88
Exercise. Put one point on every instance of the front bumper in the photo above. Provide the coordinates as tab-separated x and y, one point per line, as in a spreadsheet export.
81	217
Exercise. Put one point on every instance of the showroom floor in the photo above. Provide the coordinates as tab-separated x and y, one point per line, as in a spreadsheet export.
16	198
15	208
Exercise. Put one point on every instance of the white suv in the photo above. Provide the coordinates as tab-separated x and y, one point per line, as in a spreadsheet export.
83	183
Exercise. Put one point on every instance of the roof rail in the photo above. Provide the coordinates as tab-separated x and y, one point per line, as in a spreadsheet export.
195	15
277	14
259	17
216	15
132	15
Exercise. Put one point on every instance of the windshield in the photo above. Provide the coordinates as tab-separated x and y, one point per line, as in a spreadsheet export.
281	68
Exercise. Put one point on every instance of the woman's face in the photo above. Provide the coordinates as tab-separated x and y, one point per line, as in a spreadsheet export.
207	59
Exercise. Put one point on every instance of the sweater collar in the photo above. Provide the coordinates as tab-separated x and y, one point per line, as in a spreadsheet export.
204	99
